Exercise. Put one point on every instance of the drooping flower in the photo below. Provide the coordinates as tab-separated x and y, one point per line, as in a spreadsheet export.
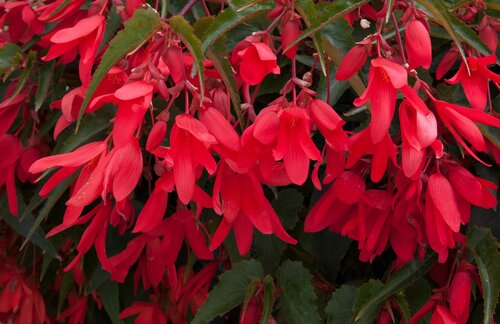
86	35
255	60
295	145
148	313
354	59
418	44
290	30
446	63
58	10
329	124
384	80
22	21
14	147
162	246
460	122
361	144
334	207
239	198
475	84
190	141
459	295
418	132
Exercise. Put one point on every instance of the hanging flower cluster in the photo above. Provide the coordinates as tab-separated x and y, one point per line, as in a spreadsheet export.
183	163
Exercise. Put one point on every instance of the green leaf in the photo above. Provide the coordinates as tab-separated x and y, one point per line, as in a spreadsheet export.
234	15
366	293
230	291
268	249
137	30
329	13
307	10
287	206
397	283
484	248
340	308
297	299
10	54
437	9
63	292
418	294
468	35
23	228
339	33
186	32
99	277
44	82
30	60
329	249
404	306
113	21
268	299
109	293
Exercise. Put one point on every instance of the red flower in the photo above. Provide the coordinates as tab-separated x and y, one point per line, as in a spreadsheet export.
59	9
384	80
295	145
255	62
475	85
190	141
459	295
241	201
361	144
418	132
418	45
335	205
354	59
460	122
446	63
290	30
329	124
22	21
148	313
134	99
87	35
11	144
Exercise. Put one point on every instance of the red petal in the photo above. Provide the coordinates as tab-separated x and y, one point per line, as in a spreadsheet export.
152	213
444	199
184	175
82	28
156	136
418	45
134	90
195	127
243	230
354	59
396	73
220	128
383	104
76	158
129	170
220	234
465	184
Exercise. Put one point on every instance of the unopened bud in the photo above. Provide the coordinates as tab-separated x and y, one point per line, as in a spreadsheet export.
364	23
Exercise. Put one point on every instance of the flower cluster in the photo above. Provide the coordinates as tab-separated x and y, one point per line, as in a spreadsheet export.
183	163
